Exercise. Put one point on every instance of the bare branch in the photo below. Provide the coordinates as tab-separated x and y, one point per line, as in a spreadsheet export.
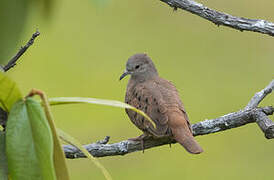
259	96
104	141
229	121
266	125
223	123
23	49
220	18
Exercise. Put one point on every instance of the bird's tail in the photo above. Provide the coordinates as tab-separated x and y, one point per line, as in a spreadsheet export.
186	139
182	133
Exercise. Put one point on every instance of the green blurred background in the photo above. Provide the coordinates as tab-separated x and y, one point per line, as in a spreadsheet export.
83	48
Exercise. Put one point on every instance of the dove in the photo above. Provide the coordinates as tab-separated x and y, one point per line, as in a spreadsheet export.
160	100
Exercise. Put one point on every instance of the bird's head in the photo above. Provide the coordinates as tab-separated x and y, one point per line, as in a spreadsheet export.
140	67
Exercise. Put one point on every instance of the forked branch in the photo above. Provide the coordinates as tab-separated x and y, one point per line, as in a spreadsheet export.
250	114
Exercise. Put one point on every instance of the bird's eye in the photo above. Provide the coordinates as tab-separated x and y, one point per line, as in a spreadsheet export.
136	67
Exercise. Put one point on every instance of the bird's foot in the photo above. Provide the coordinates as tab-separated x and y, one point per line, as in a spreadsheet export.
141	139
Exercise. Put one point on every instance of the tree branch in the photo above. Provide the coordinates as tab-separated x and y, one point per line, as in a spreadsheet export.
232	120
12	63
23	49
220	18
259	96
266	125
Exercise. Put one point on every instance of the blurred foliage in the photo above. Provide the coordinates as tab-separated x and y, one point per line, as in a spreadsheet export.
83	100
13	17
217	70
31	149
29	143
9	93
71	140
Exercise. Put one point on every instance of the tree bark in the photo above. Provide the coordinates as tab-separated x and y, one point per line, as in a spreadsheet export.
220	18
250	114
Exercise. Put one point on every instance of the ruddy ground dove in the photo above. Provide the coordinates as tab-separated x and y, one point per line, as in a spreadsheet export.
160	100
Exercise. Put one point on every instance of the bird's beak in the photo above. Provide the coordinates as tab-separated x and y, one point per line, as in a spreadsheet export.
124	75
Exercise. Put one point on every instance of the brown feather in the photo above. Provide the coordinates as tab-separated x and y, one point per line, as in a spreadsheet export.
159	99
182	133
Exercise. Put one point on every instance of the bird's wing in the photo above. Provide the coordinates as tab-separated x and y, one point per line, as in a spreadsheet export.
172	99
148	98
161	102
178	120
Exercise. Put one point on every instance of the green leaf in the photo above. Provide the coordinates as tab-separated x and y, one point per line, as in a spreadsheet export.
71	140
3	158
58	154
29	143
9	92
75	100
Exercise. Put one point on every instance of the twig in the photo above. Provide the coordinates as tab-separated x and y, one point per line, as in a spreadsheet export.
259	96
104	141
229	121
12	63
23	49
3	117
220	18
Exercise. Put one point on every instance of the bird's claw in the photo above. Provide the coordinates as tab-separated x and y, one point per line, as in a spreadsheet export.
141	140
